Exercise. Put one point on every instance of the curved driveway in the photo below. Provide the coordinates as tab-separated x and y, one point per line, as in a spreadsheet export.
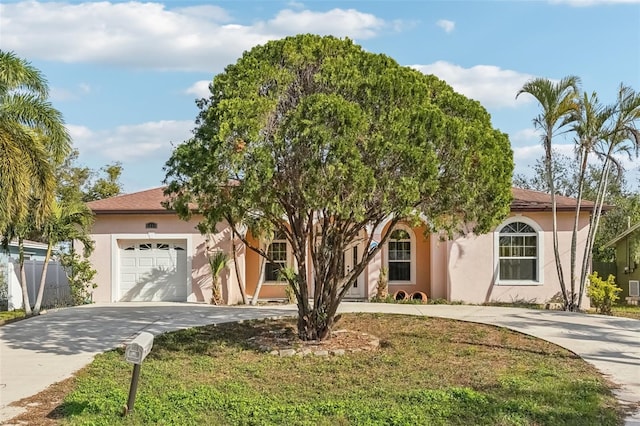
40	351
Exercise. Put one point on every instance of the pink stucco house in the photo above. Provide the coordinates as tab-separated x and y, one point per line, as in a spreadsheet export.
146	253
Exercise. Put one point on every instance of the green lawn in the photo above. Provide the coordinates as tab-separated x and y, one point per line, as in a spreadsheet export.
427	371
10	316
629	311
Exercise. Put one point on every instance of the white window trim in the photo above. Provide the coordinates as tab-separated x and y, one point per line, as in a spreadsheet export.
385	250
290	262
540	251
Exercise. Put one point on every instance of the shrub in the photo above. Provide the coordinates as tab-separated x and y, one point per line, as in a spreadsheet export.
80	275
382	288
603	293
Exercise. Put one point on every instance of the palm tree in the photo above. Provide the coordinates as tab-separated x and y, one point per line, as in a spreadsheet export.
217	262
619	136
68	221
590	126
558	101
32	140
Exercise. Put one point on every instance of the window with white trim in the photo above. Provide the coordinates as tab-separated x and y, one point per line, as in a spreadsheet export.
277	252
400	256
519	253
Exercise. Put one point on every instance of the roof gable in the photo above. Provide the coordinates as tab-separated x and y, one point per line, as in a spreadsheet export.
528	200
149	201
622	235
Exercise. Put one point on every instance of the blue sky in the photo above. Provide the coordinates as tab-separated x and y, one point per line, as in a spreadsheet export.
125	74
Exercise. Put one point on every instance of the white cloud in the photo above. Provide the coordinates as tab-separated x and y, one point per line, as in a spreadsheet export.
350	23
200	89
586	3
534	152
63	94
446	25
525	136
491	85
150	35
150	140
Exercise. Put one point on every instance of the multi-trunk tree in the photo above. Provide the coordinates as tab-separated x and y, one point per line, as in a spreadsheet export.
315	139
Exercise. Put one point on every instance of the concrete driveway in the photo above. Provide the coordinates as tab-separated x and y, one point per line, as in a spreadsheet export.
38	352
43	350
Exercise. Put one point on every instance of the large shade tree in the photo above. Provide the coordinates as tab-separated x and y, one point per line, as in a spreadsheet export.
315	139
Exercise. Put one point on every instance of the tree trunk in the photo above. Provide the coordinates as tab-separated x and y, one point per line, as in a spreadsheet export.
593	225
574	233
556	252
254	299
36	308
243	293
216	297
23	279
314	324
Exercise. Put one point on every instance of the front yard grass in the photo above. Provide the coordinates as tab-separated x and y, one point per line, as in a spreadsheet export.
628	311
9	316
427	371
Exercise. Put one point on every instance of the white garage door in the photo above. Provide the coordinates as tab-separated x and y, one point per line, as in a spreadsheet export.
153	271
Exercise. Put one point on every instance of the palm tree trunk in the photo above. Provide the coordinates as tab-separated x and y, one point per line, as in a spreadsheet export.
574	234
43	278
548	160
594	222
23	278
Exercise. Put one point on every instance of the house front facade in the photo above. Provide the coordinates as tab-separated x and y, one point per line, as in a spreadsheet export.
146	253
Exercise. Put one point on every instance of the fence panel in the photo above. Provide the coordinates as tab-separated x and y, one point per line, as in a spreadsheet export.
56	291
605	269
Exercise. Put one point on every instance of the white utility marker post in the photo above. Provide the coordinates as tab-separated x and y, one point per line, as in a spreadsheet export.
135	353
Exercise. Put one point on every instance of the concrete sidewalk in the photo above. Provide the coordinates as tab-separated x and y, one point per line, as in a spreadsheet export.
40	351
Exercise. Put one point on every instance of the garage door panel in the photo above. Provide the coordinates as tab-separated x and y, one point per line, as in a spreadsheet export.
153	271
127	262
145	261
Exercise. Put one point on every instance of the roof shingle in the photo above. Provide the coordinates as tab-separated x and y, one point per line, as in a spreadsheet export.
150	201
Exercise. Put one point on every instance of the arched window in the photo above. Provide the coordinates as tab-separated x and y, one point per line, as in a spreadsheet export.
519	253
401	256
151	225
277	251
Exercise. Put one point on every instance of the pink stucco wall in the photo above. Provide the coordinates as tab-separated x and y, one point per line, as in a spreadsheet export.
471	262
108	228
462	269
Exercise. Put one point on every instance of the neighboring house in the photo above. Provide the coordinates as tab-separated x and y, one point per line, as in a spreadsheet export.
627	246
146	253
56	289
33	250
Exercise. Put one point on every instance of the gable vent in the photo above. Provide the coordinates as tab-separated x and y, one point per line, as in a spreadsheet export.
151	225
634	288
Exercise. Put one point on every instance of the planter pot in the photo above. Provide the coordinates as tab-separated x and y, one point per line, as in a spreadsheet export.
400	295
418	295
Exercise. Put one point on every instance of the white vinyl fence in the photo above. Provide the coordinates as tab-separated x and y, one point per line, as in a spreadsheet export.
56	291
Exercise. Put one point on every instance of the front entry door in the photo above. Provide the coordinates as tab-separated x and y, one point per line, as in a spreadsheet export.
351	258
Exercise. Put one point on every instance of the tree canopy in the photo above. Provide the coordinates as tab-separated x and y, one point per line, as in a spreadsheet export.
316	138
33	140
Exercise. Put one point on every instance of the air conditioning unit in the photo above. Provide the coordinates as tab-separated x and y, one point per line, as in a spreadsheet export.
634	288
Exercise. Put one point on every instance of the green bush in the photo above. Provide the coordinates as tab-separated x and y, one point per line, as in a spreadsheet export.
603	294
80	274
